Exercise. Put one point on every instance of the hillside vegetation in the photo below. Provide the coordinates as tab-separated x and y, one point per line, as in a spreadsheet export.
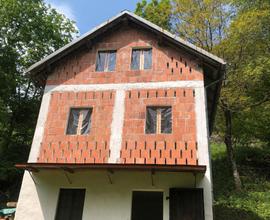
253	202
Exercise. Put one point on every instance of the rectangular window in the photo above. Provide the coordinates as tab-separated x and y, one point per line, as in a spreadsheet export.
79	122
106	61
147	205
158	120
70	204
141	59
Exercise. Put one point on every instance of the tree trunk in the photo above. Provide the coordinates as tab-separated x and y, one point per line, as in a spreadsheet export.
229	146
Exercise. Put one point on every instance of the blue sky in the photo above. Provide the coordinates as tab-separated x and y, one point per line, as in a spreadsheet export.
90	13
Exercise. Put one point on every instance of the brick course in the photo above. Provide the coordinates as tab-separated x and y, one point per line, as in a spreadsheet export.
179	147
57	147
168	64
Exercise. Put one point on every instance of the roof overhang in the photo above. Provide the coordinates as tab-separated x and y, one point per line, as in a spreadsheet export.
36	167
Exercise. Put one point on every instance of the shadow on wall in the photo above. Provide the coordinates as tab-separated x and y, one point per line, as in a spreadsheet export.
222	212
48	194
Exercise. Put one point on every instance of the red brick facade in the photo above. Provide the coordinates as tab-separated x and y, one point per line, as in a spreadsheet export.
179	147
57	147
168	64
175	148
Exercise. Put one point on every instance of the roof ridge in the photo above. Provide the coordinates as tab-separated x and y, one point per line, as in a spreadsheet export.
181	40
110	20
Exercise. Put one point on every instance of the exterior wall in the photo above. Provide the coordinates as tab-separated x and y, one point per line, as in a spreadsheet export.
118	112
178	147
118	125
57	147
30	190
201	125
103	200
79	68
204	149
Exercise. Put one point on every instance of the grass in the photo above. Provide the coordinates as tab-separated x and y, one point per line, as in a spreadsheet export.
253	202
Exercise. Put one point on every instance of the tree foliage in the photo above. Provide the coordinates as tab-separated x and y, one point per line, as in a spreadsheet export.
202	22
246	89
238	31
158	12
29	30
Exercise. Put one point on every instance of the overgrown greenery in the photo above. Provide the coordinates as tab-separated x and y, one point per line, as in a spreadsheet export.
29	30
238	31
159	12
245	94
203	23
246	90
252	202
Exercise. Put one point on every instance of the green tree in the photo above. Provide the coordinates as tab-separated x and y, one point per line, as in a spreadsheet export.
245	98
29	30
158	12
202	22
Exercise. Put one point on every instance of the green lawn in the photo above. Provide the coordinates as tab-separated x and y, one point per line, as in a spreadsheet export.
253	203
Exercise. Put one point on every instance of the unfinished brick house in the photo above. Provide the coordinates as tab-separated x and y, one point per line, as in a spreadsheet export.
123	128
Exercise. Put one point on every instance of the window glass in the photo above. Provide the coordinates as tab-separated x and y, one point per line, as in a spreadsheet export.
79	121
151	118
166	120
147	59
86	121
111	62
106	61
101	61
158	120
73	121
135	60
141	59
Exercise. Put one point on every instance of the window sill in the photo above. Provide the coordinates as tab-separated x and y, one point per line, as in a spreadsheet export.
73	135
139	70
158	134
105	71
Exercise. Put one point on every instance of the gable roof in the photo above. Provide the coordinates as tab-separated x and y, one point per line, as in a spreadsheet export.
77	42
214	67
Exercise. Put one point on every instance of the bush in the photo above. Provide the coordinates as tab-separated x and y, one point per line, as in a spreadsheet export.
253	202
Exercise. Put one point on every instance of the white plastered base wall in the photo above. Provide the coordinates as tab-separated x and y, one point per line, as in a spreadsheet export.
103	200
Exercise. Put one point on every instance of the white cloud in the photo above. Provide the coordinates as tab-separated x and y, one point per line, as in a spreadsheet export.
62	8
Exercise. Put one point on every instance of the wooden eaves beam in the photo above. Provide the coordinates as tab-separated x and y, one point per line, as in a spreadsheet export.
71	168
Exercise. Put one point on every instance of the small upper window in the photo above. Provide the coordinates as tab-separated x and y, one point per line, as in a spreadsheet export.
79	122
158	120
141	59
106	61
